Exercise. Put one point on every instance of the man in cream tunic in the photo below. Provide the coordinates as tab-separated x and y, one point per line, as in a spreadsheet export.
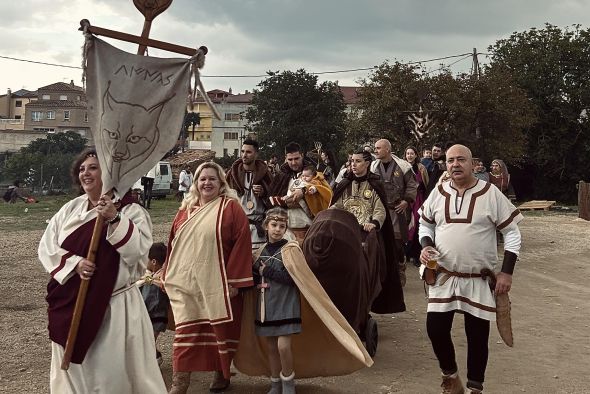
459	221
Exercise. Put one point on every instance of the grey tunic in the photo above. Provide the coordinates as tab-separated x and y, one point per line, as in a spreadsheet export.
281	298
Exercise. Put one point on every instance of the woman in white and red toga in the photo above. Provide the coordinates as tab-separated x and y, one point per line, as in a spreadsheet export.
210	259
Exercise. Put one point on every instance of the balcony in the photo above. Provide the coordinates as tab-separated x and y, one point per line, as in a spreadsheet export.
12	124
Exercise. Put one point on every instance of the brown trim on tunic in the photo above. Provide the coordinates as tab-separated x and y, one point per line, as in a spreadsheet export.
221	259
126	237
462	299
431	221
474	197
509	220
62	263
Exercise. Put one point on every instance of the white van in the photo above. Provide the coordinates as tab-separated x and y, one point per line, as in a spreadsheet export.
162	180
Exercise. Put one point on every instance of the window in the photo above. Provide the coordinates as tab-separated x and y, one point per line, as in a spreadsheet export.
236	152
36	116
224	152
46	97
50	115
47	129
163	169
86	117
18	103
230	135
63	97
232	116
66	116
16	116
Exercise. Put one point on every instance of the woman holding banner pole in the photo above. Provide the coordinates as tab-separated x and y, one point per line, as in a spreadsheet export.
114	350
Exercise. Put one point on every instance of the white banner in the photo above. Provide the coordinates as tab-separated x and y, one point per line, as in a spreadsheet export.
136	107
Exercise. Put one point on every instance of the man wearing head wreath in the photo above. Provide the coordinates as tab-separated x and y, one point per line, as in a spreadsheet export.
458	227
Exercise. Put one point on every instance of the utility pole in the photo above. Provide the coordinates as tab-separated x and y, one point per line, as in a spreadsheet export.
475	65
475	76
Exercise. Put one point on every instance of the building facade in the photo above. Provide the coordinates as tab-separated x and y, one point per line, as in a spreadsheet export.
12	107
59	107
225	136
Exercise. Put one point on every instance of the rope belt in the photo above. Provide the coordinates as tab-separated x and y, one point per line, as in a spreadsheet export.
122	289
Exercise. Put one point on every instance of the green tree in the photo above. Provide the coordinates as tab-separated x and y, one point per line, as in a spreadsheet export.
292	106
553	66
482	113
68	142
386	99
45	159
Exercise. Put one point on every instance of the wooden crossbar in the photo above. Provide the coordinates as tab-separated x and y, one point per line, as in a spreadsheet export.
101	31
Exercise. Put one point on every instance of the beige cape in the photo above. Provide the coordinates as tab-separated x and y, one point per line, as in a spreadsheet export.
327	345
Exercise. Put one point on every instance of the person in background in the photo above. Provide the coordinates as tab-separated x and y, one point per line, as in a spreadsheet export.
251	179
209	260
300	217
13	193
148	184
329	167
427	159
185	181
479	170
155	299
273	165
437	168
412	246
400	188
499	176
115	345
343	169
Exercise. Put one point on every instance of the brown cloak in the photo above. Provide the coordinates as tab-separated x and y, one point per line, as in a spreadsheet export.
326	346
391	297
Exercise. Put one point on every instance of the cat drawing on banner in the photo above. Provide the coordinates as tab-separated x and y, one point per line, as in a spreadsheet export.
129	133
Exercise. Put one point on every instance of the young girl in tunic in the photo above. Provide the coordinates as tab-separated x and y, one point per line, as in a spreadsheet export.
278	310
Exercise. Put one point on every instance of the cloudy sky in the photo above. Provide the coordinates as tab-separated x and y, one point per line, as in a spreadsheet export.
250	37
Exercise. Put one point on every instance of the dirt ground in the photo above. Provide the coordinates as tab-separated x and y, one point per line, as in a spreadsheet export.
551	321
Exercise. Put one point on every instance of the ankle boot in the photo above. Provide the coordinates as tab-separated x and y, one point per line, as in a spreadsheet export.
180	382
288	383
451	384
276	387
219	384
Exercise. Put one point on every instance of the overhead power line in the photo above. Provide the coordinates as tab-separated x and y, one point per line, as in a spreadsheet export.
263	75
37	62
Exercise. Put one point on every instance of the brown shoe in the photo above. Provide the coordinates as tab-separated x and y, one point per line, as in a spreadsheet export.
219	384
180	382
451	384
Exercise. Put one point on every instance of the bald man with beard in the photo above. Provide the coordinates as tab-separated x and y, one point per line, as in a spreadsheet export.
458	222
400	188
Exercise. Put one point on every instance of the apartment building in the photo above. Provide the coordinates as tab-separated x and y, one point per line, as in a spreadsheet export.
225	135
59	107
12	108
